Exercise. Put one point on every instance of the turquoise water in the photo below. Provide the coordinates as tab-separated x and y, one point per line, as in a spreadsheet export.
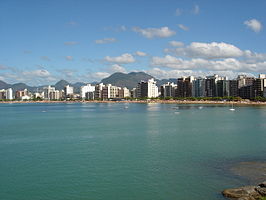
120	151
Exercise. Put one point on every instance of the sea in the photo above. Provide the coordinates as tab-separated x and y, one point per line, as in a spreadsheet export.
126	151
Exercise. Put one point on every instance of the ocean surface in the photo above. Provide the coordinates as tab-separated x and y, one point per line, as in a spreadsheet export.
119	151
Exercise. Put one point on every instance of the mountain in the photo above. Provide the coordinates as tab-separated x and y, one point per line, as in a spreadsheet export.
4	85
61	84
77	86
163	81
22	86
17	86
129	80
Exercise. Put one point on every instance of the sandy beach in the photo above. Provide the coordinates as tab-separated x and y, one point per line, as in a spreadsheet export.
149	101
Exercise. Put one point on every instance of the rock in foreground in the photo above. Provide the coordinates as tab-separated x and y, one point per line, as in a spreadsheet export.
246	192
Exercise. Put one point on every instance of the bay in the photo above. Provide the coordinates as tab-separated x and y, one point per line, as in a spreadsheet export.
118	151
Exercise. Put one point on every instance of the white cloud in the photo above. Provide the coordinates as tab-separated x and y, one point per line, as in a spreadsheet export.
69	58
170	62
97	76
176	44
2	78
166	74
150	33
37	73
196	9
178	12
121	28
205	64
34	77
105	41
31	77
254	57
70	43
67	73
140	53
212	50
117	68
254	25
183	27
123	59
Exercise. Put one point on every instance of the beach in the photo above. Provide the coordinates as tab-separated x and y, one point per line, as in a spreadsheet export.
255	103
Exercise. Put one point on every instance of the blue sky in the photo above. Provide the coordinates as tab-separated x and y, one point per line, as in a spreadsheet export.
45	41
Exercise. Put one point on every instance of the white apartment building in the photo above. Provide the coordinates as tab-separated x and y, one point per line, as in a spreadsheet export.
55	95
98	91
85	89
47	92
147	89
109	91
9	94
69	90
125	92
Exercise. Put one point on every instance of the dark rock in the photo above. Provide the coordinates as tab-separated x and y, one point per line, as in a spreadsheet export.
247	192
261	190
263	184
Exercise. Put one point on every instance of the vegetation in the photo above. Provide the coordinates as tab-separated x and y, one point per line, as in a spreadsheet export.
261	99
203	98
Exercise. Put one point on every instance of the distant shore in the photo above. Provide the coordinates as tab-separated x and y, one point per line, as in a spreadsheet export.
148	101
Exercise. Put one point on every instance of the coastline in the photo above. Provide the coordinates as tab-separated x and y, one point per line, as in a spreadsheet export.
248	103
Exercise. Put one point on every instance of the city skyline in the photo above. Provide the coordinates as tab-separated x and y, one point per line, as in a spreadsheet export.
45	41
185	87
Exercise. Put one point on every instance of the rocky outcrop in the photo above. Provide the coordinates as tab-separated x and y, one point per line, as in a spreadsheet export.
246	192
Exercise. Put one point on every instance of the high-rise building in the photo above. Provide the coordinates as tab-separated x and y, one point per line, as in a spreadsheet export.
55	95
9	94
85	89
184	86
21	93
258	85
243	80
69	91
110	91
47	92
198	87
233	88
90	95
223	88
211	86
147	89
123	92
246	92
2	94
134	93
168	90
99	90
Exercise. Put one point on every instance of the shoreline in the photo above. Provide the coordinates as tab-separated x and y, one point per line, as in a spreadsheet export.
248	103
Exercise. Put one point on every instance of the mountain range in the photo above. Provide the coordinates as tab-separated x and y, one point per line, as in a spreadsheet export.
129	80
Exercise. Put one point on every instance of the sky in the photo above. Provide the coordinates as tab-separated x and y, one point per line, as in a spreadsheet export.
42	42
